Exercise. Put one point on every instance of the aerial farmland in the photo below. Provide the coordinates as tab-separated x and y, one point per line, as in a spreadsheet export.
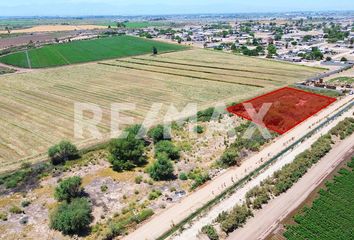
35	100
179	127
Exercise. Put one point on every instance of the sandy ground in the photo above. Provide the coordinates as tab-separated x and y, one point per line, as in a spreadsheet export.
175	214
277	209
55	28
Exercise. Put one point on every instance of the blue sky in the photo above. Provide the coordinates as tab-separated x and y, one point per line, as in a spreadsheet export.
154	7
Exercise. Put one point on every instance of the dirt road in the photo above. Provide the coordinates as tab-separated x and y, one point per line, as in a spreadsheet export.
267	219
176	213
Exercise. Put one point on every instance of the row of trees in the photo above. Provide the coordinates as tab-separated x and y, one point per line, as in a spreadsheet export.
283	179
73	214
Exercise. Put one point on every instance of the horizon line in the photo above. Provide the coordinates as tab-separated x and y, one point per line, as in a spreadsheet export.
171	14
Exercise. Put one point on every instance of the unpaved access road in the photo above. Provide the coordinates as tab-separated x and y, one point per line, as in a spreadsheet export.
267	219
162	222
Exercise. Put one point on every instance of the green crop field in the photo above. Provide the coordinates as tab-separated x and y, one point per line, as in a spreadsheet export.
86	51
145	24
332	214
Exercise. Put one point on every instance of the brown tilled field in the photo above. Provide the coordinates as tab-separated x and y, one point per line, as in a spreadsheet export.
55	28
37	108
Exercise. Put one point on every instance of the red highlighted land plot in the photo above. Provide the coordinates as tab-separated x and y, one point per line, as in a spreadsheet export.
289	107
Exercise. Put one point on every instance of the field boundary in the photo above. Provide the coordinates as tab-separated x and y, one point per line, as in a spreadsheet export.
181	75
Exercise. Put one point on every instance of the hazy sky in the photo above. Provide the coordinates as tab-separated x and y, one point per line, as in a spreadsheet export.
153	7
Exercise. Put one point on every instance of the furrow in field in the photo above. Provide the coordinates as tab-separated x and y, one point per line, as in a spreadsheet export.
279	73
191	68
180	75
204	75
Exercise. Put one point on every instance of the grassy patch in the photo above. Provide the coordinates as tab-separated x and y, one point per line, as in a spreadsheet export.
4	70
345	80
326	92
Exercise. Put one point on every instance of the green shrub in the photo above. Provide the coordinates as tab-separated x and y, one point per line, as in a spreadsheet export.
134	130
16	210
104	188
3	216
183	176
68	189
62	152
25	203
199	129
127	153
162	168
169	148
158	134
229	158
138	179
210	231
199	176
143	215
154	194
12	180
72	218
205	115
115	229
235	218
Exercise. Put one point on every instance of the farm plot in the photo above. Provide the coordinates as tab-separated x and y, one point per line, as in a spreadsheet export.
85	51
37	108
331	215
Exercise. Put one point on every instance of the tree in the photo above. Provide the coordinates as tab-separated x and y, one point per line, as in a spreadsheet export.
272	50
158	134
229	158
136	130
167	147
121	25
162	169
154	50
328	59
68	189
343	59
8	29
72	218
62	152
307	38
127	153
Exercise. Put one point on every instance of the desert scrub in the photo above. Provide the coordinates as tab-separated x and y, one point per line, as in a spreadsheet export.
16	210
210	231
154	194
3	216
25	203
138	179
104	188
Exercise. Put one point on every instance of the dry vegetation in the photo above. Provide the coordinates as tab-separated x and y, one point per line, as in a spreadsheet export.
55	28
37	108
